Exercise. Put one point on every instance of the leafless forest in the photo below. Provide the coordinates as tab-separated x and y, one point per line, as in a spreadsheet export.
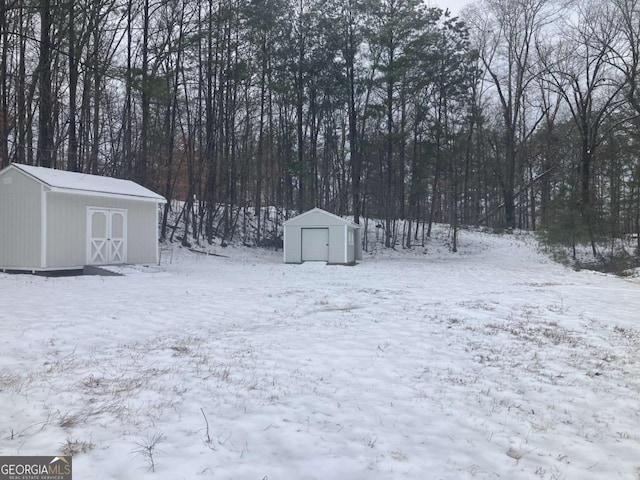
517	114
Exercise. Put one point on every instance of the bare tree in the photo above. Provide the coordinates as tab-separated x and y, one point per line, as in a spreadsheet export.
4	84
45	156
623	18
505	32
579	70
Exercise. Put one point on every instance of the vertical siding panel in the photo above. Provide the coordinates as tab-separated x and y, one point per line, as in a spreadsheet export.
67	224
293	252
351	250
340	252
142	232
336	248
66	230
30	212
20	229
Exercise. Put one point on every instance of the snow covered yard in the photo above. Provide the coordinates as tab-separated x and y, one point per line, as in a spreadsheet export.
490	363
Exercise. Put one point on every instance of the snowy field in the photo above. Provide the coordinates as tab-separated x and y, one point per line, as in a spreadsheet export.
492	363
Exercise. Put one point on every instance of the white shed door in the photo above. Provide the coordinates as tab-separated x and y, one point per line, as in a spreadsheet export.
106	236
315	244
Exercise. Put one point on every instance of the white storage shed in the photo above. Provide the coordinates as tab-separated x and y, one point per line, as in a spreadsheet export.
318	235
58	220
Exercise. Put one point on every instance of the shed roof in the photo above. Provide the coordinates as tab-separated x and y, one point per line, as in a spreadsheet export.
72	182
293	220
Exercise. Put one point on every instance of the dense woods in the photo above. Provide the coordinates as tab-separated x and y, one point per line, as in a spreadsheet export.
518	114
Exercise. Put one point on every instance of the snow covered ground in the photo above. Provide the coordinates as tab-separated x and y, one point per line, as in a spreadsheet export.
490	363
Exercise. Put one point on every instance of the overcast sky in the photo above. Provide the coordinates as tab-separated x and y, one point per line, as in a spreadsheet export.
454	5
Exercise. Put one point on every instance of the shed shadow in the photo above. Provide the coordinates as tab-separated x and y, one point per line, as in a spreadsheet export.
77	272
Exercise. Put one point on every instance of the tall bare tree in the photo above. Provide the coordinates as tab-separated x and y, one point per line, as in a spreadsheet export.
505	32
45	153
580	71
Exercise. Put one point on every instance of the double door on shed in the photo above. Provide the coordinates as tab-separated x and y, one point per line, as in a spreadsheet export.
106	236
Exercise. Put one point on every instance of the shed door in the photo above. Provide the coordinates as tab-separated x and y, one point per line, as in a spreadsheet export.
117	222
315	244
106	236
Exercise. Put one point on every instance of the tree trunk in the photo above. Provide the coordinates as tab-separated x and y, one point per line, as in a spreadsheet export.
44	155
72	153
142	158
299	116
356	161
4	86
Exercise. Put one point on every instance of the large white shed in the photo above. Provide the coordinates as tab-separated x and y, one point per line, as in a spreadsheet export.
58	220
318	235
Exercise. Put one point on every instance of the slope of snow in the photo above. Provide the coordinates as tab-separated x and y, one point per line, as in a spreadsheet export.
490	363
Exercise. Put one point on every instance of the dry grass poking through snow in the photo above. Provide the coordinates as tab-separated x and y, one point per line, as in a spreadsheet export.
492	363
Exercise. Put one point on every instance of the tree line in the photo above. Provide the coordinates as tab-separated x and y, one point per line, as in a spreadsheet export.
517	114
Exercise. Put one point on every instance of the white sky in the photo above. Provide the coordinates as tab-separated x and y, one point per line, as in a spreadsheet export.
453	5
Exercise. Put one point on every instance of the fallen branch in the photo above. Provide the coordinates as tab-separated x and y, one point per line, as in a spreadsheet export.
202	252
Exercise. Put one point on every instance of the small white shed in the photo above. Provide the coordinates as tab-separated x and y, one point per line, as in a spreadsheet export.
58	220
318	235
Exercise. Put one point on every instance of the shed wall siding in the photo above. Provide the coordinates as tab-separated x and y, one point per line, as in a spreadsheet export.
67	228
340	252
293	245
357	234
20	213
142	233
336	244
351	250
